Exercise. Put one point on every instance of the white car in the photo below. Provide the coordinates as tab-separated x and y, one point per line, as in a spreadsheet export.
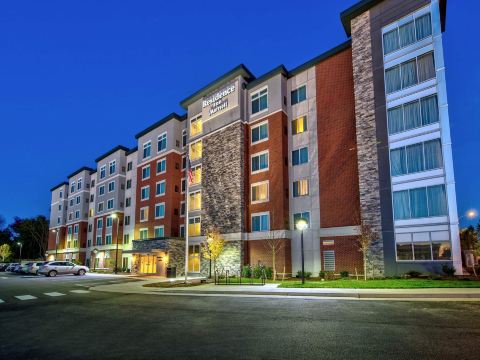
34	267
54	268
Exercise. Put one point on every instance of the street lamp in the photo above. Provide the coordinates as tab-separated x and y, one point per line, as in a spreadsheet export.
301	225
56	242
20	258
114	216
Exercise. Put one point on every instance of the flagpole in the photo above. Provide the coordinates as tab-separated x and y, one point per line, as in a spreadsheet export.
187	169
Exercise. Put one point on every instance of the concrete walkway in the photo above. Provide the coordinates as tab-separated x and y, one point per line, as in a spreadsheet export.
272	290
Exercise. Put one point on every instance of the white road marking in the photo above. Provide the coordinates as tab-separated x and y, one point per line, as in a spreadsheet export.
79	291
1	301
54	294
4	277
25	297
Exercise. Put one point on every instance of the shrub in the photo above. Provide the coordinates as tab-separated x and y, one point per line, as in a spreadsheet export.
247	271
308	274
321	274
413	273
257	271
268	272
448	270
344	274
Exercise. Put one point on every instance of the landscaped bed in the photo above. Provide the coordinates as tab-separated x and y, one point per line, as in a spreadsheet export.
383	284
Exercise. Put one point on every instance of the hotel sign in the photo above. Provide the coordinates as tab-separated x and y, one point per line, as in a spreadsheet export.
220	101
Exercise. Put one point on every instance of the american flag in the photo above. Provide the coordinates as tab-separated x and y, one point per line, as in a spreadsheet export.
190	172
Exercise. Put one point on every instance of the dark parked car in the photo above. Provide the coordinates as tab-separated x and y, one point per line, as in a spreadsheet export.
3	267
11	267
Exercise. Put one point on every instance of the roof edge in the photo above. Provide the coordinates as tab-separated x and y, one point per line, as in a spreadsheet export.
280	69
163	120
63	183
83	168
110	152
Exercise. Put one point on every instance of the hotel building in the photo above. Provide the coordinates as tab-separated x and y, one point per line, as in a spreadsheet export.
356	138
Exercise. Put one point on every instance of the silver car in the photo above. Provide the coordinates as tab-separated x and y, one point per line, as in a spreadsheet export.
54	268
34	267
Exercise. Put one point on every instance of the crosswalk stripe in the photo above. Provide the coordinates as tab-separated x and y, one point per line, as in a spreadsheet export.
4	277
54	294
79	291
1	301
25	297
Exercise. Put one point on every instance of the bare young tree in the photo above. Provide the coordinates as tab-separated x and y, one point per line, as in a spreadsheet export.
275	244
365	240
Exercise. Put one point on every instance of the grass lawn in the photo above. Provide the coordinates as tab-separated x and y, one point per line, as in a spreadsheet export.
383	284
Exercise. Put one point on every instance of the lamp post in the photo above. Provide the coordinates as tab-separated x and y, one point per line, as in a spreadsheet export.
115	216
20	257
302	224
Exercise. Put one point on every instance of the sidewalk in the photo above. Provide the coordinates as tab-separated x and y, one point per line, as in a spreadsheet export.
271	290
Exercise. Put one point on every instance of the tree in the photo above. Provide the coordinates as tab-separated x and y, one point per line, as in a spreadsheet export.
468	238
365	240
275	244
212	248
33	233
5	251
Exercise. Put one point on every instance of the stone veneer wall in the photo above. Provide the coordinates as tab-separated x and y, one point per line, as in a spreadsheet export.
369	186
223	195
230	259
174	248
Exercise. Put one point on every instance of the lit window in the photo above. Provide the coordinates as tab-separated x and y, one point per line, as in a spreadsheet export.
300	188
194	258
145	193
260	132
162	142
196	175
299	95
259	101
194	226
144	214
143	234
260	192
111	167
260	222
147	148
161	166
159	211
299	125
196	150
160	188
260	162
196	126
300	156
195	200
146	172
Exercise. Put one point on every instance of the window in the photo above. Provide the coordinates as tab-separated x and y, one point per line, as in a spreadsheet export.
298	95
421	202
58	220
143	234
299	125
126	238
414	158
147	149
302	215
159	231
196	175
261	222
59	207
196	150
410	73
329	260
72	187
112	167
160	188
79	184
71	202
89	228
99	239
412	115
93	183
260	132
77	214
109	221
184	185
110	204
161	166
69	233
441	250
128	202
127	220
145	193
259	192
162	142
103	172
259	162
300	187
108	239
194	258
111	186
159	211
129	166
77	200
182	208
60	195
182	231
70	216
184	138
196	126
300	156
129	183
407	34
260	101
194	226
99	224
89	242
101	190
146	172
195	201
144	214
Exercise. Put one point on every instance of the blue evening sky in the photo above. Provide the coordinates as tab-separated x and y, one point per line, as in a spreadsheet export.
78	78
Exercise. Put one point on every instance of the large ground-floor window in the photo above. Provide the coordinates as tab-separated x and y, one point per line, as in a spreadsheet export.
194	258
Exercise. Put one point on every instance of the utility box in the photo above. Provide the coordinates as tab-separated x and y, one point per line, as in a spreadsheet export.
171	272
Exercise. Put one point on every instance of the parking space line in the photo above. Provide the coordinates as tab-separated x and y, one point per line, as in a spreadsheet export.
79	291
54	294
25	297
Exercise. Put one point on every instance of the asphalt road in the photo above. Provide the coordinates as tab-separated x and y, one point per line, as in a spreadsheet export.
95	325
